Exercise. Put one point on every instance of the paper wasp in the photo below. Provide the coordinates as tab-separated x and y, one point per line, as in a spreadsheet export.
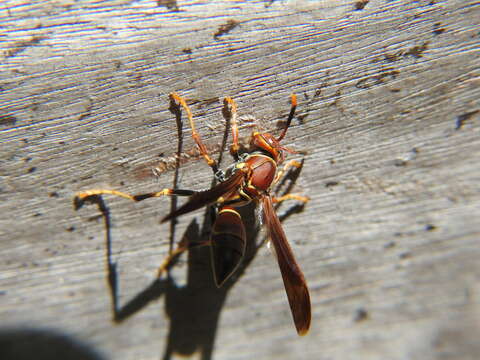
249	179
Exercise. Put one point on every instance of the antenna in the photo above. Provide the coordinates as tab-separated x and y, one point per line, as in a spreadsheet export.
293	99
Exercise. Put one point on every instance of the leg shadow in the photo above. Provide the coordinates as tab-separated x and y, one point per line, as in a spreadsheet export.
193	308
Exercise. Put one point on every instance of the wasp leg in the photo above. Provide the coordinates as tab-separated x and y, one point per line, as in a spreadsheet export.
303	199
80	197
229	102
182	246
286	167
195	135
281	173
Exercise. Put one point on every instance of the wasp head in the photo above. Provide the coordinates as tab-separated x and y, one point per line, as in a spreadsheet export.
265	142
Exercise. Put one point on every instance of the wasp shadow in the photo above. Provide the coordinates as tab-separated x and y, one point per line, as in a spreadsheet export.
193	307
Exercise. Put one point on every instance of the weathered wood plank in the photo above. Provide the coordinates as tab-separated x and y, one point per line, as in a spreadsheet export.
388	113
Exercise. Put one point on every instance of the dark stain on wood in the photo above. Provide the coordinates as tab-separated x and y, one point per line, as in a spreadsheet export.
7	120
437	29
332	183
417	51
226	28
360	5
374	80
462	119
20	46
360	315
169	4
171	162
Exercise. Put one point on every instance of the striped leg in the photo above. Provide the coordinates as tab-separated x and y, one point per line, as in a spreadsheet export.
195	135
281	173
286	167
80	197
300	198
229	102
170	260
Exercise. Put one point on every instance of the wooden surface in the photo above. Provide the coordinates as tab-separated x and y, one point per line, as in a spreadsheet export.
388	113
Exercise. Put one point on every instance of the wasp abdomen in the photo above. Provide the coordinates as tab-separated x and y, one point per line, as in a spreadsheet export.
228	242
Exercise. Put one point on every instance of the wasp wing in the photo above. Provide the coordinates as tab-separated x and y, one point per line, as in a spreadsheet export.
203	198
293	279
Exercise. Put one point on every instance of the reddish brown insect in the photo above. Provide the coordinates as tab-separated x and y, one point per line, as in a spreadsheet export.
249	179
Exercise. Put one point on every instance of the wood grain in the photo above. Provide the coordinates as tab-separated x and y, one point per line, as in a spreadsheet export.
388	114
